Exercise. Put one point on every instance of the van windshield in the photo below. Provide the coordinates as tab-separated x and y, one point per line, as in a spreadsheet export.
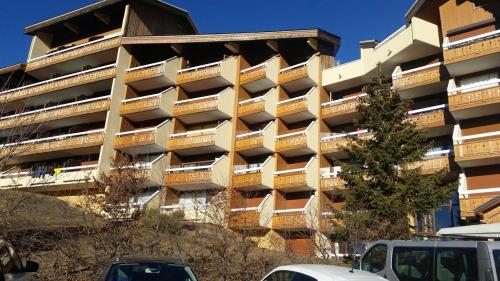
496	260
150	271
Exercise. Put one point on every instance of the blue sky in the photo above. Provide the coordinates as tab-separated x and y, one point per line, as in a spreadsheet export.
353	20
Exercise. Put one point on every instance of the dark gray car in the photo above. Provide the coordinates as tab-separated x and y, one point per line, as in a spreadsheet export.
11	265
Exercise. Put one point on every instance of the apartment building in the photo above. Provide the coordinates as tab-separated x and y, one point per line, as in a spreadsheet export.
259	114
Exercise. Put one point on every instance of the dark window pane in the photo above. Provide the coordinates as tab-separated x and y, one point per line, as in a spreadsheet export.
284	275
412	264
496	260
150	272
456	264
374	260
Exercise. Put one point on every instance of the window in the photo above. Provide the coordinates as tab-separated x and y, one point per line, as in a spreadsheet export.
456	264
283	275
150	271
413	263
496	260
374	260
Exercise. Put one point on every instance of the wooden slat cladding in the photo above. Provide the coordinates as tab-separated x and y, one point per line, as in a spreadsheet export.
419	78
245	180
347	107
292	107
95	139
253	75
140	105
478	149
196	106
332	184
187	178
471	99
82	51
292	74
248	143
206	73
431	166
135	140
291	143
429	120
473	50
57	114
42	88
292	180
287	221
192	141
467	205
251	108
145	73
456	14
244	220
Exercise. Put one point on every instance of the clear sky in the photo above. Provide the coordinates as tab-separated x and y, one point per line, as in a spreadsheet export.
352	20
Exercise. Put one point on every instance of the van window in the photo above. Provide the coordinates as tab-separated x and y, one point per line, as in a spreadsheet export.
456	264
374	260
496	260
412	263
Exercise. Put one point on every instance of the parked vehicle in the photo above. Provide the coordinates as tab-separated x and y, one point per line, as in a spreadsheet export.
147	269
11	265
319	272
433	260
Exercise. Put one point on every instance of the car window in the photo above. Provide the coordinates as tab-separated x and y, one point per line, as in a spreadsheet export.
374	259
150	271
413	263
496	260
5	261
284	275
456	264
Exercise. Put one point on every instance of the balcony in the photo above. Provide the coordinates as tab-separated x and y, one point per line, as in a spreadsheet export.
205	109
252	218
258	142
422	81
470	204
477	150
259	109
69	178
208	76
475	100
262	76
202	141
213	176
254	177
299	76
293	180
144	141
341	111
435	120
296	219
473	54
84	143
299	108
149	107
67	114
150	170
332	145
433	162
153	76
96	52
298	143
330	182
76	84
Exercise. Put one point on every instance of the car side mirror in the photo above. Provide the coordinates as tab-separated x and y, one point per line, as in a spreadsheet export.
31	266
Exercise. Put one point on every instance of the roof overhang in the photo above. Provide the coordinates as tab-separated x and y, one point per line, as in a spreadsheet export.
414	9
32	29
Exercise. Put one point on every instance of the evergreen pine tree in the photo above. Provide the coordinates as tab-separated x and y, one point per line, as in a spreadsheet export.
382	189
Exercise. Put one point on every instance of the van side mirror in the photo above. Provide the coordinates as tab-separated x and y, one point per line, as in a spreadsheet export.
31	266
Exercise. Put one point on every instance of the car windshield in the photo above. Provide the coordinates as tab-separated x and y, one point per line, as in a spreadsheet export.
150	271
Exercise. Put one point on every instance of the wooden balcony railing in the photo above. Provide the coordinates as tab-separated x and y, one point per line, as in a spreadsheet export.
475	98
56	143
249	179
292	73
63	82
188	178
467	205
295	220
253	141
135	138
145	72
199	73
251	106
289	180
292	107
291	142
434	117
431	166
332	184
421	76
56	112
75	52
196	105
341	107
244	220
474	47
335	142
478	149
253	74
191	139
140	104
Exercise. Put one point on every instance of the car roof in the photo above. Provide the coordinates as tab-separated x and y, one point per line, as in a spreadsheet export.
139	259
330	272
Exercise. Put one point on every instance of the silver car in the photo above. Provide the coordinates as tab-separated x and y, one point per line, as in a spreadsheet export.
11	265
